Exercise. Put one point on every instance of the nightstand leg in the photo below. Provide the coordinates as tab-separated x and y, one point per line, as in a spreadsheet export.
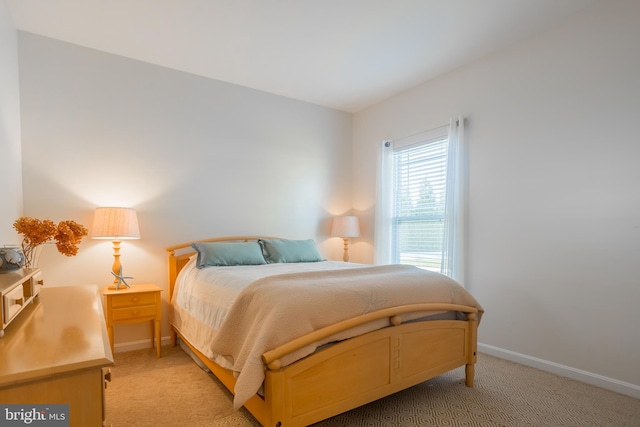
158	338
153	331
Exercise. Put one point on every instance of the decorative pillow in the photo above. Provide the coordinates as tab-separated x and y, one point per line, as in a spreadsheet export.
276	250
228	253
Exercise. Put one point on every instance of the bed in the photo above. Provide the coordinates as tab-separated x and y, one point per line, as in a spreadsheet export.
331	354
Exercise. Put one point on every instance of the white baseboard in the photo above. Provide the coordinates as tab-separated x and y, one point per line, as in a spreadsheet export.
138	345
562	370
544	365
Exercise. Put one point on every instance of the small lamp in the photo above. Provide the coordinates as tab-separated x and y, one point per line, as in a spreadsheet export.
345	227
115	224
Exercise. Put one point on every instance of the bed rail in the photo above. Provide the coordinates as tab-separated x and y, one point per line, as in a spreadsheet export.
272	358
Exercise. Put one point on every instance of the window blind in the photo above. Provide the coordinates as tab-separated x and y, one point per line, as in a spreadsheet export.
419	200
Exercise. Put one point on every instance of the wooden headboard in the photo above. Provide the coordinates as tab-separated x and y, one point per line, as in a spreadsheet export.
179	254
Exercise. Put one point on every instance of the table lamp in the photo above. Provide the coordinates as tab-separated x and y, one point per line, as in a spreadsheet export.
345	227
115	224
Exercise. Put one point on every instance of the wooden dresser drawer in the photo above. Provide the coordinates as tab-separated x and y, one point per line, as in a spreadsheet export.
134	312
38	283
13	302
132	300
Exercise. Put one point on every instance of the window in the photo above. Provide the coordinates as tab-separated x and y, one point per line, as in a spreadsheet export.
419	212
419	195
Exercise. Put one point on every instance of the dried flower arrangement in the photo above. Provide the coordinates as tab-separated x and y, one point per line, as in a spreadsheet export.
67	236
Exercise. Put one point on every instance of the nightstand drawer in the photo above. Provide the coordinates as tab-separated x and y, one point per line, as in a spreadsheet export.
13	302
131	300
130	313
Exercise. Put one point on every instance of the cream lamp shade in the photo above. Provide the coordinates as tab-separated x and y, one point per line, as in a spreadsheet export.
115	224
345	227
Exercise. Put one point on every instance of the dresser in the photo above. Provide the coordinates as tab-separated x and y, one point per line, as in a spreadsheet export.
57	352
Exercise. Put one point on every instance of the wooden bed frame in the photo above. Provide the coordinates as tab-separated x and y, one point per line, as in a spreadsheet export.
350	373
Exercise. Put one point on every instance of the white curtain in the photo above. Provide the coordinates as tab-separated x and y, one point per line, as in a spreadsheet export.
384	203
453	249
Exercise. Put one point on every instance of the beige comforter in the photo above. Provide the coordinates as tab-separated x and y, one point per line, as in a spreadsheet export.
276	309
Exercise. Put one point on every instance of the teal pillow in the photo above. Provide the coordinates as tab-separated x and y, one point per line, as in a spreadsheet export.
276	250
228	253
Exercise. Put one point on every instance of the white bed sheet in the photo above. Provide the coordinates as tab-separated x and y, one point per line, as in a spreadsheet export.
202	297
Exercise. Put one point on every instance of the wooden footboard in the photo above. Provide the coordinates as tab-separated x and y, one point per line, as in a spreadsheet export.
359	370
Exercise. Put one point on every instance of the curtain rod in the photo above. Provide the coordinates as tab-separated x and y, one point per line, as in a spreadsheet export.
418	133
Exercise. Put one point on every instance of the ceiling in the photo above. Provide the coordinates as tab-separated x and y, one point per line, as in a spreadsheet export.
343	54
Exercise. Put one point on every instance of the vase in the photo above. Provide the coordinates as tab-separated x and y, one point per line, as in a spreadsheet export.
31	256
11	258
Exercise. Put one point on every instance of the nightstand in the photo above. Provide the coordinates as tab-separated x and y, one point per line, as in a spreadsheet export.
138	303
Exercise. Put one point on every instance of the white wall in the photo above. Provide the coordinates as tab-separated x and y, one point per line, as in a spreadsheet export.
554	220
196	157
554	202
10	156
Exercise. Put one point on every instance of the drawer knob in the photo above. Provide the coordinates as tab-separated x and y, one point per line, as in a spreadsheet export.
134	299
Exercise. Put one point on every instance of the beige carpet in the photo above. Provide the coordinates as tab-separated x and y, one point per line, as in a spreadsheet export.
174	391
